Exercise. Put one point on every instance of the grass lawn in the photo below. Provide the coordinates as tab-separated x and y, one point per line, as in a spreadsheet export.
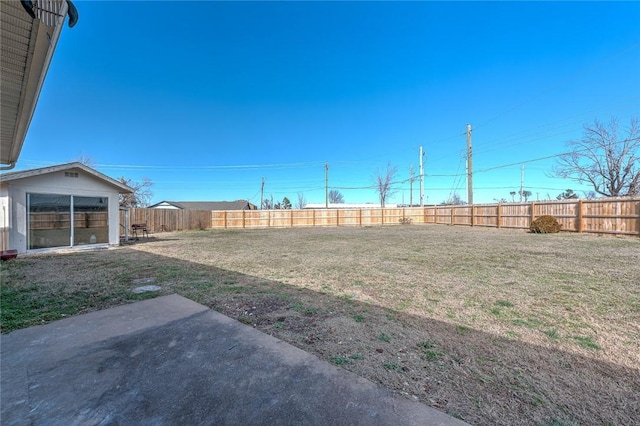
491	326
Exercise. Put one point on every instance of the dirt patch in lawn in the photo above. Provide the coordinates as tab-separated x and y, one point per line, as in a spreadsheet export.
492	326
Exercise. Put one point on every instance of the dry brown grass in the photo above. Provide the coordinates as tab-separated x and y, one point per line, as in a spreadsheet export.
492	326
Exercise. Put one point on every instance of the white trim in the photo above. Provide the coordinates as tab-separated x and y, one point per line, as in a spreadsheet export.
23	174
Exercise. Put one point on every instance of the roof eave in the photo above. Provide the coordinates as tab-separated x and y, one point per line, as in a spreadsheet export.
42	43
11	176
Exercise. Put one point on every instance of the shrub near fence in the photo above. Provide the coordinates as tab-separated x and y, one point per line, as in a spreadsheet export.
601	216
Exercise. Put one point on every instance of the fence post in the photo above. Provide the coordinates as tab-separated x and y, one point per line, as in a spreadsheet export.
472	218
360	217
533	213
580	226
313	218
291	220
498	222
224	216
452	215
337	217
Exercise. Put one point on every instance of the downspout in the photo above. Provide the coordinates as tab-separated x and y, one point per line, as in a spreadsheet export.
8	167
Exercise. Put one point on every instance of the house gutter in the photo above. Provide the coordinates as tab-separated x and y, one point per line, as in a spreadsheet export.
8	167
40	11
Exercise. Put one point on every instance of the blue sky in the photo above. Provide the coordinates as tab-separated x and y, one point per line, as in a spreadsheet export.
207	98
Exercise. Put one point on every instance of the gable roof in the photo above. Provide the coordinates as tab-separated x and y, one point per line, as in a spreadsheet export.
206	205
23	174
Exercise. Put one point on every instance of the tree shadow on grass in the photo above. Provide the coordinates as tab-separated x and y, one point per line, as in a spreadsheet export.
477	376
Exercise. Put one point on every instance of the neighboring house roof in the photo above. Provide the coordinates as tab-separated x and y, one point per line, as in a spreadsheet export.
29	34
23	174
205	205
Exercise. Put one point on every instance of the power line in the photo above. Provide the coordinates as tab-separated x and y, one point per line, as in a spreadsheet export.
456	182
540	130
564	82
547	157
211	167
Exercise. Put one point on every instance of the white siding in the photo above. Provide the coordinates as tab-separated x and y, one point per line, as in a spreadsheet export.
57	183
5	217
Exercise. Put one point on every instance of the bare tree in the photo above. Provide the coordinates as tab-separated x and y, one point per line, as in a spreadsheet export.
590	195
336	197
86	160
383	181
141	193
267	204
454	200
513	195
301	201
608	161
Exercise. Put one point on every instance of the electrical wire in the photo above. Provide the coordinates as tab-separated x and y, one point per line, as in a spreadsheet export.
563	83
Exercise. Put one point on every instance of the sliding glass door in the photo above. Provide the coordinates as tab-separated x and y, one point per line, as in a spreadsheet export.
49	220
65	220
90	220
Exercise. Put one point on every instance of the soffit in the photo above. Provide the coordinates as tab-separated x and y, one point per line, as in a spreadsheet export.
27	46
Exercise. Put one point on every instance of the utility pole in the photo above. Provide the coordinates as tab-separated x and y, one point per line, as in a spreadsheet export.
326	185
469	167
521	182
411	185
262	193
421	178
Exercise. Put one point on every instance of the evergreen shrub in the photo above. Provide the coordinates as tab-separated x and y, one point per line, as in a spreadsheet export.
545	225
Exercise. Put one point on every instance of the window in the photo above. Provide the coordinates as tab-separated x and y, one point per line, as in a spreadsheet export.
50	221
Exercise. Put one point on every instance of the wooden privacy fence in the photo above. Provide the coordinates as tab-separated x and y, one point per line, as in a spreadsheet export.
601	216
313	217
160	220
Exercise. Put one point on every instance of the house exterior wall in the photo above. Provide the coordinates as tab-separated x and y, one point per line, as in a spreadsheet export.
5	217
55	183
